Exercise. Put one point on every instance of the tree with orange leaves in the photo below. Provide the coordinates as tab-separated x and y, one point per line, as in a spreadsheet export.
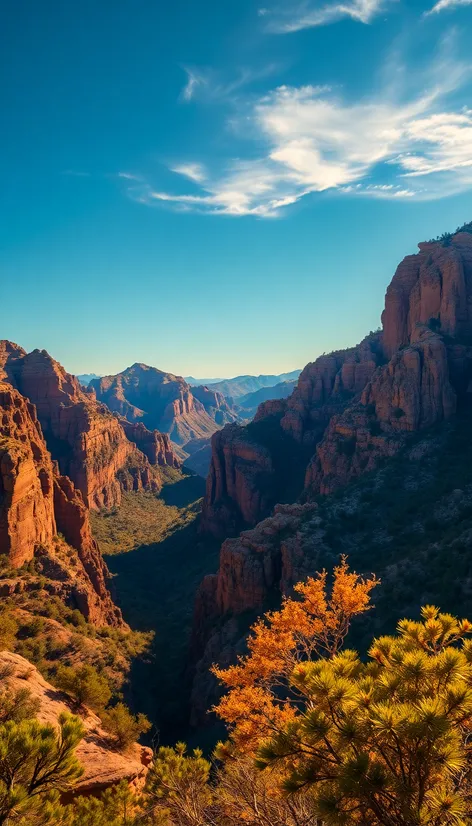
262	699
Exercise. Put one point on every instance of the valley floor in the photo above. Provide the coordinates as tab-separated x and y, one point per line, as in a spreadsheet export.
158	560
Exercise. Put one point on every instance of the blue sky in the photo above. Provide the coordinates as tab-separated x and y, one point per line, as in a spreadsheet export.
218	187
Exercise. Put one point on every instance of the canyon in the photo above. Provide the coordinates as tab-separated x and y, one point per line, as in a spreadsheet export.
275	483
366	453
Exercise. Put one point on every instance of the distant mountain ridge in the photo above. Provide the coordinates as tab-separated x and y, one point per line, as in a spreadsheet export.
242	385
149	395
86	378
247	405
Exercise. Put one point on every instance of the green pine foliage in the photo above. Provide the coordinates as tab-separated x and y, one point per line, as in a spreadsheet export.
385	741
85	685
124	726
37	763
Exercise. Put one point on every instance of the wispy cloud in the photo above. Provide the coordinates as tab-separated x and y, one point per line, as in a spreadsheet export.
211	86
292	18
448	4
194	81
391	145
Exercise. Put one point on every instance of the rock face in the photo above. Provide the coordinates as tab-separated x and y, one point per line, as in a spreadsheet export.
156	446
410	393
362	398
436	283
36	503
88	442
165	402
103	765
249	464
27	517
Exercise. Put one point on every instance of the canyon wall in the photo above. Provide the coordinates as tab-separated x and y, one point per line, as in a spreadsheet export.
83	436
37	504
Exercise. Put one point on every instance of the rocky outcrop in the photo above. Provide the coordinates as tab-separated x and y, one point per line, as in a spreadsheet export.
270	557
103	765
36	503
156	446
164	402
27	518
88	442
436	283
239	483
250	464
410	393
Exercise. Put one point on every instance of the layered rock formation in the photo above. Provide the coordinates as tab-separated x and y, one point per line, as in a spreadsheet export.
88	442
103	765
412	392
250	464
37	503
164	402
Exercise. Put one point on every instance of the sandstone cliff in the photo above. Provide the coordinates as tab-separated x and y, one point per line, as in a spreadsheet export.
164	402
103	765
37	503
253	467
88	442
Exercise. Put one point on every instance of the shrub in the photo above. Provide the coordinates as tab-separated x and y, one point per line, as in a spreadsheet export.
125	727
85	685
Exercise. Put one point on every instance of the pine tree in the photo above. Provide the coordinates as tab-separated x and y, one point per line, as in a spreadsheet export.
85	685
125	727
387	741
37	762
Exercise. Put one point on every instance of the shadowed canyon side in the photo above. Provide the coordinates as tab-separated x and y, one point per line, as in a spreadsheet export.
83	436
353	412
37	503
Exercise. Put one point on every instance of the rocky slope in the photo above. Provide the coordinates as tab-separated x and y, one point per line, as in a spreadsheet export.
83	436
164	402
37	503
402	396
103	765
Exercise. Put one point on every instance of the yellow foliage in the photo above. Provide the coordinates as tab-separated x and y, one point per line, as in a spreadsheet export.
261	697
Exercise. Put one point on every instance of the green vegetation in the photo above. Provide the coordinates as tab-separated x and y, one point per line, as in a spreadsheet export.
158	561
125	727
37	762
85	685
445	238
146	518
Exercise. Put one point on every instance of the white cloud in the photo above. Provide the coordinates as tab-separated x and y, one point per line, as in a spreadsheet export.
307	16
448	4
194	171
386	146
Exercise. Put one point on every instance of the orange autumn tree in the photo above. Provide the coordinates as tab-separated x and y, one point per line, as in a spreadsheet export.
261	698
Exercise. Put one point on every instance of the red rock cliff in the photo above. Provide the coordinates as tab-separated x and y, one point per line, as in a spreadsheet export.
36	503
246	473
